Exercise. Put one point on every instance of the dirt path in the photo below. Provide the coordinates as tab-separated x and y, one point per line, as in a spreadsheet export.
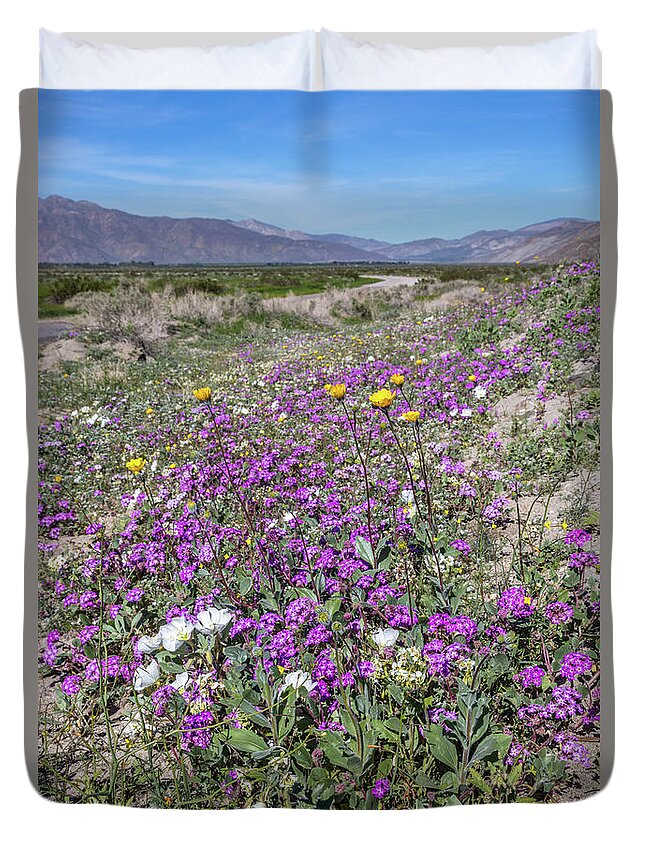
390	281
49	330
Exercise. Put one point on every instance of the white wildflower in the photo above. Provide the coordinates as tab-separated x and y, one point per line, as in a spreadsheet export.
385	638
213	620
176	633
144	676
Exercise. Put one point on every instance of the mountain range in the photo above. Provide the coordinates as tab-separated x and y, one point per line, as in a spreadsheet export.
83	232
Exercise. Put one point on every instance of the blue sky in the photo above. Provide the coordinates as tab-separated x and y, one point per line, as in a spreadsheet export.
395	166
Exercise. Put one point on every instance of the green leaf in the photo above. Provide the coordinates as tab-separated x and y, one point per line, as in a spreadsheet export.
303	757
443	750
384	768
236	654
489	746
287	717
365	551
354	764
380	729
449	782
396	693
478	780
332	605
246	740
423	780
250	711
514	775
503	744
244	582
394	724
500	663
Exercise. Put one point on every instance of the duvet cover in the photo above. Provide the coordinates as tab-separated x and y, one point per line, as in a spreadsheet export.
318	448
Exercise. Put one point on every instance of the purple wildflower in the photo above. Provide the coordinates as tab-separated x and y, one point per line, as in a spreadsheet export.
242	626
577	537
71	684
366	668
318	635
462	546
160	699
86	633
571	750
530	676
565	703
195	730
573	664
515	603
134	594
558	612
299	611
381	788
398	616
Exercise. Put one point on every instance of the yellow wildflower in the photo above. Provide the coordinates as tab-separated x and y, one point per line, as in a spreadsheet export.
58	478
397	379
383	398
136	465
150	411
338	391
472	378
203	394
411	417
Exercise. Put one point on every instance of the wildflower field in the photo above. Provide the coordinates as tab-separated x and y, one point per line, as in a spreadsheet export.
332	566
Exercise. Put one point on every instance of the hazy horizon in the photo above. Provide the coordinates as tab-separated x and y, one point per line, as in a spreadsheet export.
392	166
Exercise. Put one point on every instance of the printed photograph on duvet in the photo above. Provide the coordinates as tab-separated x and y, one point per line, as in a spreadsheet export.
319	444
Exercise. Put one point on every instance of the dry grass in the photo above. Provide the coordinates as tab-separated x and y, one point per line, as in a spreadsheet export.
212	310
129	313
144	319
96	373
335	307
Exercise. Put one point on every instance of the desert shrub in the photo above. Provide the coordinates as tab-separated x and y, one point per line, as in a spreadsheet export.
129	313
335	307
212	310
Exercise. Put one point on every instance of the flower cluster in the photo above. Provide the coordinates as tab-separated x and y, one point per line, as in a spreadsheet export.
301	585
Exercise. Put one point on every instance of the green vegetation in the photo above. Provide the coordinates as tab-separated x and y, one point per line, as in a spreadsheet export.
58	284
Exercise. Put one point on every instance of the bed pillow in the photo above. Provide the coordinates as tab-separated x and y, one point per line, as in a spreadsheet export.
565	62
285	62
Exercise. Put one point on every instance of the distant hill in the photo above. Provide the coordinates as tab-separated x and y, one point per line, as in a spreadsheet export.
83	232
556	240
